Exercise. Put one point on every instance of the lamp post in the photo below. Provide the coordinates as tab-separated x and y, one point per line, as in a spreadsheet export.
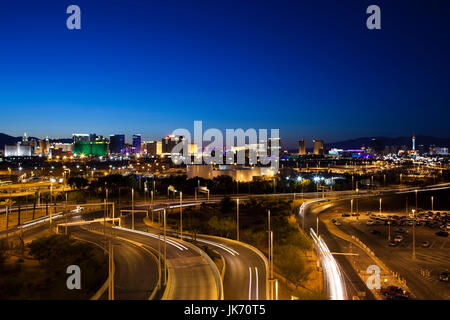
65	209
432	206
380	205
111	271
237	219
389	227
317	225
151	192
165	249
416	199
414	234
51	197
132	208
271	262
269	233
181	215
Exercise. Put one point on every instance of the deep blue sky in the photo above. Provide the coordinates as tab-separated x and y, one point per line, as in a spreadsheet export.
310	68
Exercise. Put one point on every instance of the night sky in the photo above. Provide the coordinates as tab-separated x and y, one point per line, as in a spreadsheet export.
310	68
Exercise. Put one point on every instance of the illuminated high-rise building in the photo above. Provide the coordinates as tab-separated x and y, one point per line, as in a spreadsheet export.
44	146
318	147
169	142
136	143
301	147
153	147
414	141
116	143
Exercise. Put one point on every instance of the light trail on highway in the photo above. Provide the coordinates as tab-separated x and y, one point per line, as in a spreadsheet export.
216	244
169	241
334	278
250	284
39	220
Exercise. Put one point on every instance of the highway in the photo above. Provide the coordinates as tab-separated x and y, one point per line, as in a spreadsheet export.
136	270
190	275
246	267
341	280
345	274
245	277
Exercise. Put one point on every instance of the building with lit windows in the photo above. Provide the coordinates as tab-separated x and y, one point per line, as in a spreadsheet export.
318	147
116	143
136	143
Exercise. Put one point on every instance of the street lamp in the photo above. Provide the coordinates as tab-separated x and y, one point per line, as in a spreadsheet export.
380	205
181	215
165	249
237	219
132	208
152	204
389	226
416	200
414	233
432	206
51	197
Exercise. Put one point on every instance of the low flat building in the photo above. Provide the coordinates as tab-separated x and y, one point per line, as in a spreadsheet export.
238	173
18	150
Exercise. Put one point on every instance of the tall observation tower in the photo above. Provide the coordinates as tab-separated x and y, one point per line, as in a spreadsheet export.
414	142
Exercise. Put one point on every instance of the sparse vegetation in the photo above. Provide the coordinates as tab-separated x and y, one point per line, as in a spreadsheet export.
40	271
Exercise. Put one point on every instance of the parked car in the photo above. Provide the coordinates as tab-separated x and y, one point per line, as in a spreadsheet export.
346	214
355	214
370	222
393	243
375	232
425	244
398	238
337	223
442	233
333	220
400	230
394	293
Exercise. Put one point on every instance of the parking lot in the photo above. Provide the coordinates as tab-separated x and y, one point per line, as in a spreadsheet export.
390	236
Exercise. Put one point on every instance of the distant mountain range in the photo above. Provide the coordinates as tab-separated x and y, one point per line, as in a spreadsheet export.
10	140
426	141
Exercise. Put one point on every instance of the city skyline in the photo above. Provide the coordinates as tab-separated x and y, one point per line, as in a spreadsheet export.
309	144
306	72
